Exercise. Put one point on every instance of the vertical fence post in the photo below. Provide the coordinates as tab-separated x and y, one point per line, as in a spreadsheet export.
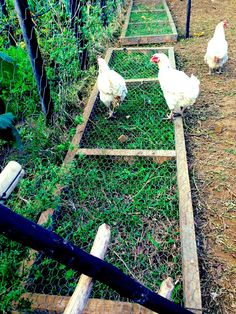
188	15
76	24
103	14
4	8
8	27
27	27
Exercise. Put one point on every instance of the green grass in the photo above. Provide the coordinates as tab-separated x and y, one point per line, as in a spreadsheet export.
138	199
147	16
139	117
143	29
148	7
134	64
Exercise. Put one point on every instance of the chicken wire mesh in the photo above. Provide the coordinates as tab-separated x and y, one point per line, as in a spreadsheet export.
138	199
147	5
18	90
66	48
148	18
144	102
135	64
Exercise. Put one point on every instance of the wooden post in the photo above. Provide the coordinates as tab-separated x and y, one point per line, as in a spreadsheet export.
166	288
22	230
77	23
4	7
189	3
103	14
9	178
82	292
27	27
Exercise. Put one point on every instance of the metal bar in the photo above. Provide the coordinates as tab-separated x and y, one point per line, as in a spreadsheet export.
24	231
27	27
188	16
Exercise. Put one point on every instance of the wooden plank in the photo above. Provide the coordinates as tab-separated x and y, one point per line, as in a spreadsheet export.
147	11
171	154
126	24
172	24
142	49
142	80
147	2
53	304
148	39
190	270
82	292
171	56
86	114
151	22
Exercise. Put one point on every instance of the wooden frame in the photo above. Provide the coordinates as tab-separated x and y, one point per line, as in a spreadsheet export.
148	39
190	270
54	304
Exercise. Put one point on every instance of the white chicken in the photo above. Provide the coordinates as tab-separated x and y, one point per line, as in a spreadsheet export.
180	90
111	86
217	49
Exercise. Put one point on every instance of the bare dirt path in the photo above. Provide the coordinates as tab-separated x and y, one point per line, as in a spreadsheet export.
211	139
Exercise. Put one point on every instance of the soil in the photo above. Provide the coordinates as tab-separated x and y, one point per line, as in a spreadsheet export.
210	129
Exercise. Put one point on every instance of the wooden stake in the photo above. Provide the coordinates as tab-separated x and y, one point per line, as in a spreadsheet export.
166	288
82	292
9	178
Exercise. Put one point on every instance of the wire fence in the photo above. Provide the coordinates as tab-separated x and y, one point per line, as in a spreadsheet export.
136	196
69	35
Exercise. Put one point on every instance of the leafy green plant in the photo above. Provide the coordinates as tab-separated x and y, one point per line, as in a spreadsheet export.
8	131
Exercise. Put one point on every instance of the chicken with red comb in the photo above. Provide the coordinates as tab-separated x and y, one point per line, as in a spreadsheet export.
180	90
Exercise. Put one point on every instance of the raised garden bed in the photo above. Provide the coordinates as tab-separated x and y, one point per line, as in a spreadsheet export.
138	199
148	22
137	192
144	102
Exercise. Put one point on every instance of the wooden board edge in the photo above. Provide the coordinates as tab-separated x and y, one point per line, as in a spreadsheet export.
171	21
171	55
142	48
149	39
171	154
142	80
190	269
81	128
126	24
56	304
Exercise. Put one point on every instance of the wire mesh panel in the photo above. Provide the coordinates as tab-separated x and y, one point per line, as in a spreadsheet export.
148	22
147	6
144	102
135	63
138	199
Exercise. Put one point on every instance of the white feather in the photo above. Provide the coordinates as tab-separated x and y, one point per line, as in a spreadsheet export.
179	89
110	84
217	48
